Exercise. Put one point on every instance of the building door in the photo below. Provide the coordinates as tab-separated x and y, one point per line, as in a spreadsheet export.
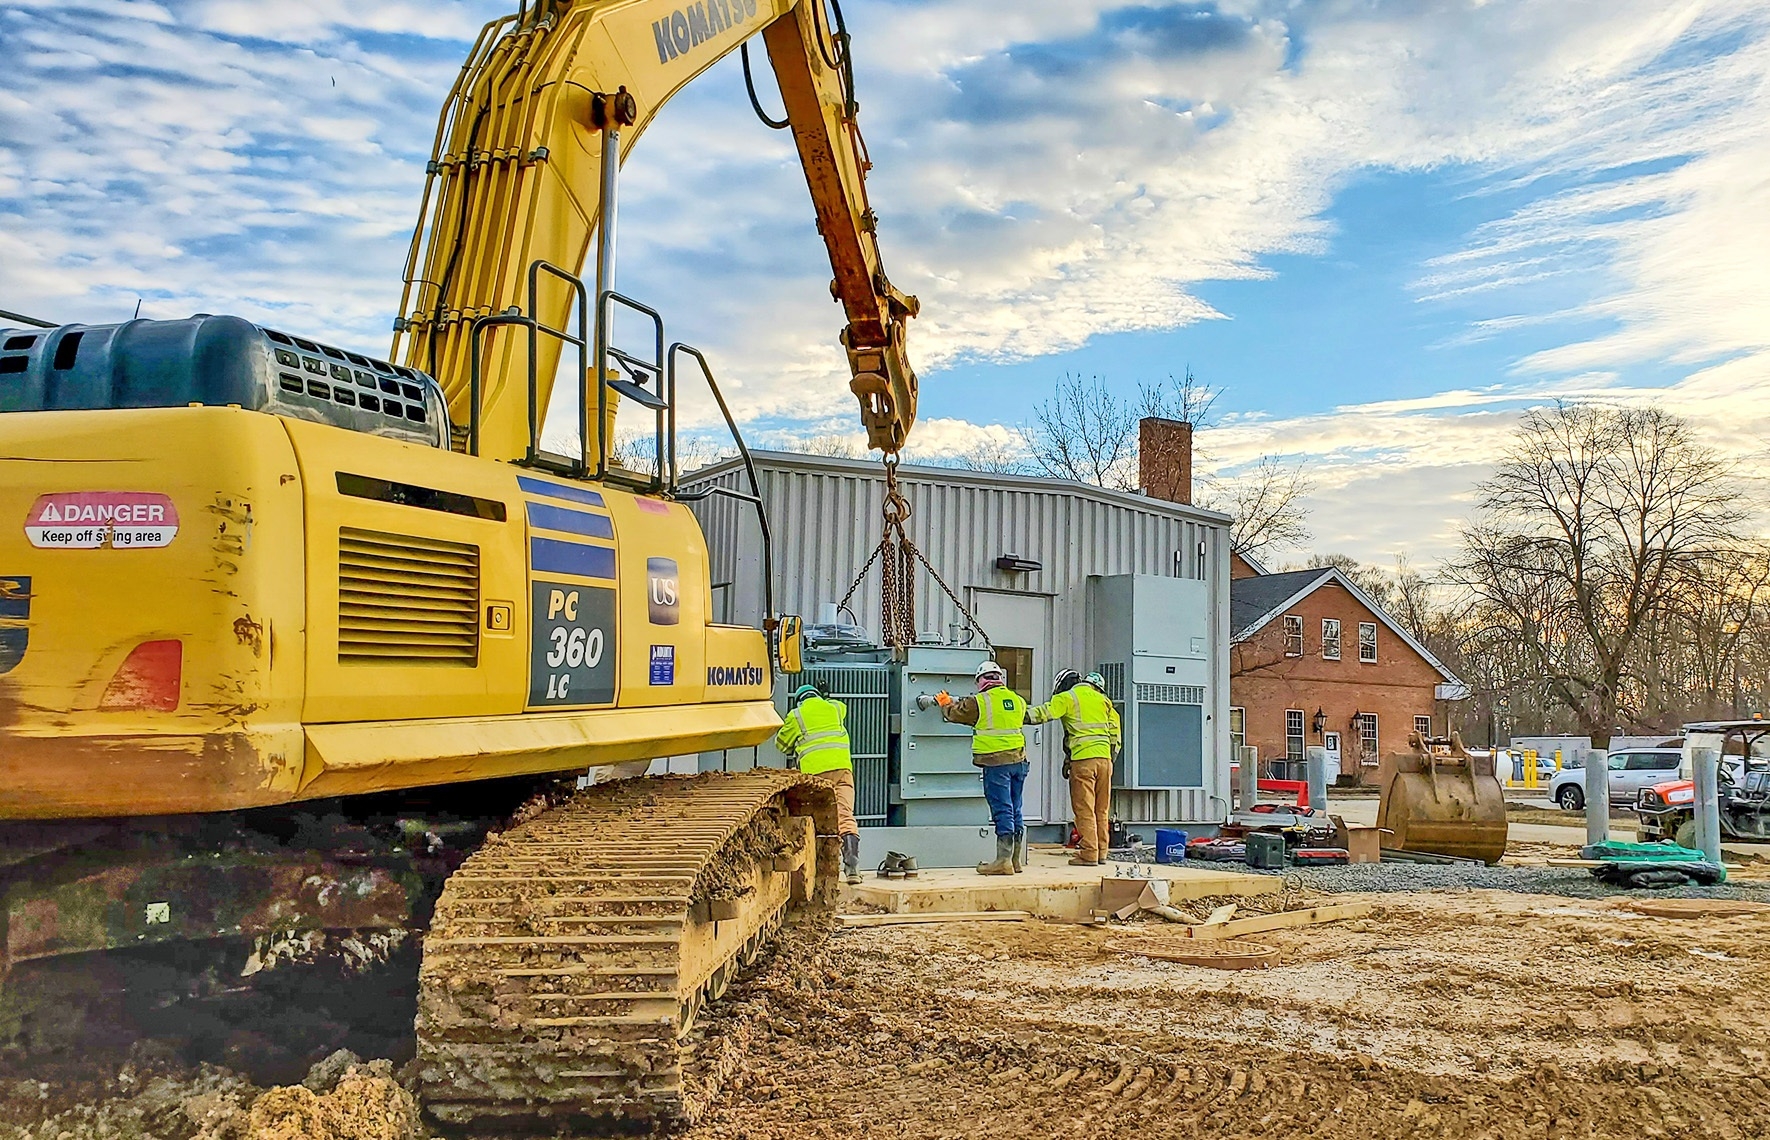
1019	626
1331	741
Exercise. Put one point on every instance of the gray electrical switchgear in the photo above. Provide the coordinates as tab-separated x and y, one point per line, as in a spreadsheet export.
936	783
1153	641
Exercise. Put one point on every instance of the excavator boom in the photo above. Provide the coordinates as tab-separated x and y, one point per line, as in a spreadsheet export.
517	177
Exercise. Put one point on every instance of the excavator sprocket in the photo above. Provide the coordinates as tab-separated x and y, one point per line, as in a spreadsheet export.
569	956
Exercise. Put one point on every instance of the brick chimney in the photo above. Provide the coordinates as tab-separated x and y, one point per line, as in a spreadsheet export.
1164	459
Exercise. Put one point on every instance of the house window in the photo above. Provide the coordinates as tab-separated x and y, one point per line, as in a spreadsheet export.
1423	725
1293	734
1367	641
1330	639
1293	635
1367	737
1238	730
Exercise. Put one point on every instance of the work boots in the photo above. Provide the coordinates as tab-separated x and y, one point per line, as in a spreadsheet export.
1003	864
851	858
1020	851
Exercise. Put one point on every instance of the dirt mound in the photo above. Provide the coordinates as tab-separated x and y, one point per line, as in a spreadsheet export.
362	1107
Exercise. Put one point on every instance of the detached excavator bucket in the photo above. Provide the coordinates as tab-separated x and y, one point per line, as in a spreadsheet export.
1441	800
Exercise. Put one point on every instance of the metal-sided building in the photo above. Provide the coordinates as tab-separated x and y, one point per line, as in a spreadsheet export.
1058	573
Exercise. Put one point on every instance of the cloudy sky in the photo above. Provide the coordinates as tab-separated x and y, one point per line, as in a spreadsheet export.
1383	228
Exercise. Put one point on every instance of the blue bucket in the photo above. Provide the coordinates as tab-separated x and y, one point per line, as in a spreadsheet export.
1170	845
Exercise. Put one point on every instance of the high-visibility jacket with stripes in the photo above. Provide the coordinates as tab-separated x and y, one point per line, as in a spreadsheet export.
1090	723
816	732
1000	713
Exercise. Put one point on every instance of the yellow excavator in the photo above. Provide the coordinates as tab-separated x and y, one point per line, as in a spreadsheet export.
292	636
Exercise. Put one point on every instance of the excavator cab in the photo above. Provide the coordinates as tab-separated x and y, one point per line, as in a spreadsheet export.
1441	800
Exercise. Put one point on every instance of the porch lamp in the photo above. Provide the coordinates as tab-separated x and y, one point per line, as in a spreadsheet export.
1318	721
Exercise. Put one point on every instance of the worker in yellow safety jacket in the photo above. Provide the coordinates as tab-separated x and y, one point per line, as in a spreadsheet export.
814	736
1091	738
998	746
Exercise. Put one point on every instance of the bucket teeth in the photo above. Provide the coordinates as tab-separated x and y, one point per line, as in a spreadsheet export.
569	956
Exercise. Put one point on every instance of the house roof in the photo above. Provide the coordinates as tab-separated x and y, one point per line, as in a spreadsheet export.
1253	563
1253	602
1262	596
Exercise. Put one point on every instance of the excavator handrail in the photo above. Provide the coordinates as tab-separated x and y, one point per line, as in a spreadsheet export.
665	413
536	457
769	622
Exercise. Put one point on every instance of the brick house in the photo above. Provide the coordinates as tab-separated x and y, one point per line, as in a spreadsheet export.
1316	662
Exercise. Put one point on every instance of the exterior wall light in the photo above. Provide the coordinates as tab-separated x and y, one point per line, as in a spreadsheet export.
1015	564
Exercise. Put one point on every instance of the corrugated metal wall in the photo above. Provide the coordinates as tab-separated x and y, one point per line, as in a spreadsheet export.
825	517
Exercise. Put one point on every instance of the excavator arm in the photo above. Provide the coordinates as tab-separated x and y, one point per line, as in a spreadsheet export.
517	177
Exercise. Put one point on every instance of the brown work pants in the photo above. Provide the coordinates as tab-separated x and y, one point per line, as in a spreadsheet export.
1090	797
842	779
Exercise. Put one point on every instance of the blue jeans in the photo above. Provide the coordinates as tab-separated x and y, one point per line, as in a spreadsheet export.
1004	786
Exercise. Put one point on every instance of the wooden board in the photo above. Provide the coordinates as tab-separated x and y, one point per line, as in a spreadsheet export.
933	916
1236	927
1694	908
1226	954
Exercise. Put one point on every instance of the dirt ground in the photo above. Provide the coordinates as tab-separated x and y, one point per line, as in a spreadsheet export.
1480	1014
1622	816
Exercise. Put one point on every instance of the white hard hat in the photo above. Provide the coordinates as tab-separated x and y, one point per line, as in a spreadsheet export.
989	669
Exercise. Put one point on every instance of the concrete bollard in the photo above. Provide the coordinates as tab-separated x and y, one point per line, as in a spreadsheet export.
1315	761
1707	765
1250	777
1597	796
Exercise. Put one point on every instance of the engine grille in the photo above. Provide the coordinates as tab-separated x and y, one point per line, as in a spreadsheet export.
404	600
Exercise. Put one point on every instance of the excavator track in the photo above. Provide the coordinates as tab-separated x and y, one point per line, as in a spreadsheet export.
569	957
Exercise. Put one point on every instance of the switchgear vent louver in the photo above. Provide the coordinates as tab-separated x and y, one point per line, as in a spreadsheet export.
1172	694
404	600
1113	672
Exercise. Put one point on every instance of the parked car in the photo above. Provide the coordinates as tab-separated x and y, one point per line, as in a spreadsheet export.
1631	773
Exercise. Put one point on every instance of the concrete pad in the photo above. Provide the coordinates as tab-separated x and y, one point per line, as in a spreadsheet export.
1048	888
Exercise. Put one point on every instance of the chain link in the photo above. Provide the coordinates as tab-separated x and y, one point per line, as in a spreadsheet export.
898	557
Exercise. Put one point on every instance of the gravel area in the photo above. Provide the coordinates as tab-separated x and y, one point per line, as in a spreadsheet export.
1568	882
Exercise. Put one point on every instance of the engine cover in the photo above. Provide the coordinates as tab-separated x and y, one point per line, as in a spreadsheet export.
218	361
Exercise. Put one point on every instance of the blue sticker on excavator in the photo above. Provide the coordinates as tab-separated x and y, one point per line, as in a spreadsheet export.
15	612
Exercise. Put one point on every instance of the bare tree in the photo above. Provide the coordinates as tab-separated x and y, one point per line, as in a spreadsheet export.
1084	432
829	445
638	451
987	453
1185	398
1592	523
1266	502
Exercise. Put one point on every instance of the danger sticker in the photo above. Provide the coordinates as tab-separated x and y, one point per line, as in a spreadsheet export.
87	520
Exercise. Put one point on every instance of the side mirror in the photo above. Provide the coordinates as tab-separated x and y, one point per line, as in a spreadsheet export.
789	653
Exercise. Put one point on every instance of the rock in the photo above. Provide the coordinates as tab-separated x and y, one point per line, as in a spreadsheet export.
324	1076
